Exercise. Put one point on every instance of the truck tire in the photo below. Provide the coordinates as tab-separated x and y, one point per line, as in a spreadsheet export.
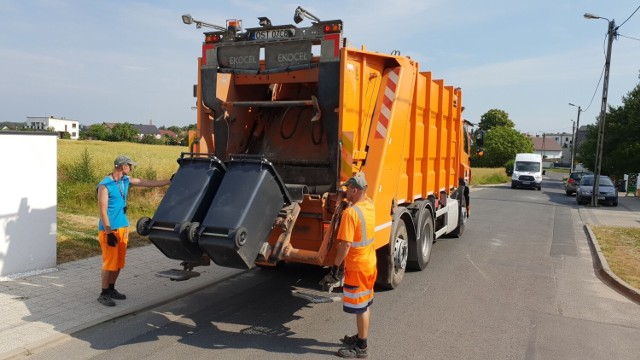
462	213
420	250
392	258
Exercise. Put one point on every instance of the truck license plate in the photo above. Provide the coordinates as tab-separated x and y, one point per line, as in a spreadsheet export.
275	34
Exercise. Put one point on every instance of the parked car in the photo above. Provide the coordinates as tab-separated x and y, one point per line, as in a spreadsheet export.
573	180
607	192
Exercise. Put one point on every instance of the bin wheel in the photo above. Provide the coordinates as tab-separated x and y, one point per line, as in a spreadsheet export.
193	234
241	237
142	227
183	230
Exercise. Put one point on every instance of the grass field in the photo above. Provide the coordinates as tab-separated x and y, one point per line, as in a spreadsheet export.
81	165
485	176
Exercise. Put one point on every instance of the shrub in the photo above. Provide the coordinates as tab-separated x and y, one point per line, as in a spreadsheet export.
81	171
508	167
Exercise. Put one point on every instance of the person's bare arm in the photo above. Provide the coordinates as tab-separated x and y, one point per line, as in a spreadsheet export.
148	183
342	249
103	204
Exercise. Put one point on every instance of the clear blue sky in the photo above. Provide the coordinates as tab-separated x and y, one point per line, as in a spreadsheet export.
135	61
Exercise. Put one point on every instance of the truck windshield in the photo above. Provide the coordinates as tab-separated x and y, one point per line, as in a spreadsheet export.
527	166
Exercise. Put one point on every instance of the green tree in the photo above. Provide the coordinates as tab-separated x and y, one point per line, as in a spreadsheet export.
495	118
96	132
150	139
501	144
621	149
175	129
124	132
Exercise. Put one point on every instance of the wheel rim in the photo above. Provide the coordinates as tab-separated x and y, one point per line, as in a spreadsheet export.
401	250
427	236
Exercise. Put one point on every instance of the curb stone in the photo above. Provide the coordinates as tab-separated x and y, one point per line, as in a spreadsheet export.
602	268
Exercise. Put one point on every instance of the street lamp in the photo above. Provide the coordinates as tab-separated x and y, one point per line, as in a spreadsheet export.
611	33
188	20
574	137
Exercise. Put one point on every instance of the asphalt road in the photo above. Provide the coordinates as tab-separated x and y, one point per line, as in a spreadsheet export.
519	284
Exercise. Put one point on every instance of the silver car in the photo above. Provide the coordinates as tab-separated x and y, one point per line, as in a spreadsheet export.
573	180
607	192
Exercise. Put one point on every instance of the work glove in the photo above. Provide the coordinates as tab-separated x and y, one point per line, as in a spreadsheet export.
333	279
112	240
336	273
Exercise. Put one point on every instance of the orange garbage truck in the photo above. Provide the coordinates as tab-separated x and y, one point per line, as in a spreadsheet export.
285	114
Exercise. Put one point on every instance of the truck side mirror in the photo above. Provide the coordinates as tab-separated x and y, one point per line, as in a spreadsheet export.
480	138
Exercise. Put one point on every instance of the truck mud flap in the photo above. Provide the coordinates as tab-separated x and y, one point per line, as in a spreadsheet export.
243	212
186	201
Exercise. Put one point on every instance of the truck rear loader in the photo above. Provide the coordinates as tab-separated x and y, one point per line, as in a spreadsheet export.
285	114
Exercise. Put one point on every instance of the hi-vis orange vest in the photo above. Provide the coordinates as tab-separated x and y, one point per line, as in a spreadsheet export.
357	227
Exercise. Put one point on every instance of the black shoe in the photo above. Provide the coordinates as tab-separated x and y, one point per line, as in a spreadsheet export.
106	300
349	340
353	351
117	295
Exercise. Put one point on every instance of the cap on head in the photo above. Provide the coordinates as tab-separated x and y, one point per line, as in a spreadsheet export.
124	159
357	180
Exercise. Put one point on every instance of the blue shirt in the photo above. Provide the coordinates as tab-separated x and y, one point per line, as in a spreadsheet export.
118	191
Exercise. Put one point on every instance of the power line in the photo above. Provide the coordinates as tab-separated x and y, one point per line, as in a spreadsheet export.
629	37
596	90
633	13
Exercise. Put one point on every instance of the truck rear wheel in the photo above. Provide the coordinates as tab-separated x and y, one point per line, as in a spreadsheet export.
420	250
392	258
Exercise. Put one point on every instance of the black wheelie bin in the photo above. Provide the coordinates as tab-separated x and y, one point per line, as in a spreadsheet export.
187	199
242	213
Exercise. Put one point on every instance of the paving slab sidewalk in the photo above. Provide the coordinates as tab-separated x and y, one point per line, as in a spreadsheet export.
40	309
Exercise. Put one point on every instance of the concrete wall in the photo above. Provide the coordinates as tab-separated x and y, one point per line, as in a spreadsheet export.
28	189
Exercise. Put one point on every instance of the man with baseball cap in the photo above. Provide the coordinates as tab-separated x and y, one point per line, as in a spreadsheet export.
113	226
355	247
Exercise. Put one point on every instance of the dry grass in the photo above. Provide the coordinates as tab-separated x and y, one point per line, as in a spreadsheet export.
160	158
621	248
485	176
77	204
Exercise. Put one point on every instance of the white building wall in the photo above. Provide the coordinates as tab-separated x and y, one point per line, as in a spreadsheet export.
550	155
58	124
29	202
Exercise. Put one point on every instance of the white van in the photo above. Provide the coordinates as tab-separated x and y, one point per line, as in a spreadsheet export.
527	171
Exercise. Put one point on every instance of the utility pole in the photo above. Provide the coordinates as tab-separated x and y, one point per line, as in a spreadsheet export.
611	33
573	147
574	141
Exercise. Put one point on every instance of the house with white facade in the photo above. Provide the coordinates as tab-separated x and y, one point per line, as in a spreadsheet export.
59	125
564	139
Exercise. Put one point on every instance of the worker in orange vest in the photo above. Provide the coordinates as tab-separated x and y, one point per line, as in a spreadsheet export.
355	247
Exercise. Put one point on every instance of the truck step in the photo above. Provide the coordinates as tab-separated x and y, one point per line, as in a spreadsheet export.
178	275
315	296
